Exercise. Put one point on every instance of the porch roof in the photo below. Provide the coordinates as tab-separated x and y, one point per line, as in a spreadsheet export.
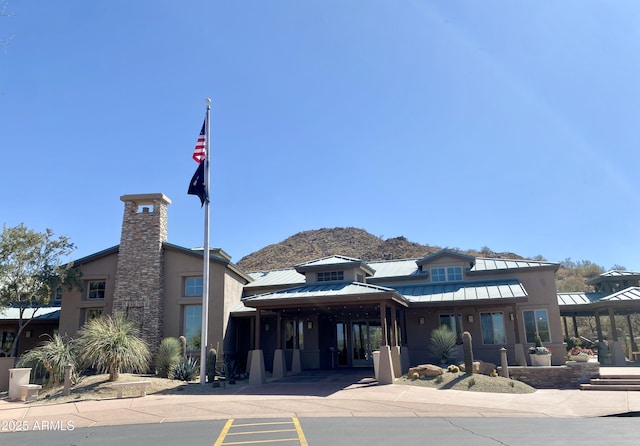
322	291
12	313
628	294
463	291
579	298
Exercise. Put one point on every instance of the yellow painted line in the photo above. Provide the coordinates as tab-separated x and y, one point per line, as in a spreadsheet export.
261	432
276	440
301	437
266	423
223	433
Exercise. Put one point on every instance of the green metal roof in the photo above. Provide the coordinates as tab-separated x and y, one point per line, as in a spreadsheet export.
463	291
579	298
321	290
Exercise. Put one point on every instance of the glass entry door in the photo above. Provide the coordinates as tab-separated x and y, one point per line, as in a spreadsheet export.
366	337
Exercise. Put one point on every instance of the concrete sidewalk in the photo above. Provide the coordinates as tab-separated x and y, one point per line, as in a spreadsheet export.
321	395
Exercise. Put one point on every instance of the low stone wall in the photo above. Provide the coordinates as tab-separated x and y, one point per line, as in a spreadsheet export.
568	376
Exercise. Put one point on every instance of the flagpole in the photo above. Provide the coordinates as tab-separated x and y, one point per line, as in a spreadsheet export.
205	255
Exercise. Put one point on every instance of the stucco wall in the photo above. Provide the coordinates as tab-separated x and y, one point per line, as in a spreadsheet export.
74	302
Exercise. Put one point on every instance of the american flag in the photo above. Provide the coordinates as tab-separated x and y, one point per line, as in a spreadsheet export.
200	152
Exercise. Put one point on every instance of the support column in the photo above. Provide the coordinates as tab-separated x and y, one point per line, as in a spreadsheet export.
405	361
385	363
604	354
279	361
296	360
519	356
575	325
383	323
633	345
395	348
566	327
256	356
617	352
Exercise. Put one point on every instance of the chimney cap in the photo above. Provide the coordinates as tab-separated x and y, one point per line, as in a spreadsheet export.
142	199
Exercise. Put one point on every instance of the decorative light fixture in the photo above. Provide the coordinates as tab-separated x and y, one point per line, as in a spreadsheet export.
421	320
511	317
309	325
266	327
470	318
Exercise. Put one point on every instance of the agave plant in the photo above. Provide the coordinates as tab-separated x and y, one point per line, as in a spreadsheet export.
112	343
187	369
51	356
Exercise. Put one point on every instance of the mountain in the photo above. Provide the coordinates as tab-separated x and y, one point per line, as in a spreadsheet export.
351	242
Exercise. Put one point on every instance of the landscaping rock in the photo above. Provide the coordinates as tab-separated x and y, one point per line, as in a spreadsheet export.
428	370
481	367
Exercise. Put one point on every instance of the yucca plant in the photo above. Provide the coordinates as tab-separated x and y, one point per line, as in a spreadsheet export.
112	343
51	356
443	343
168	357
187	369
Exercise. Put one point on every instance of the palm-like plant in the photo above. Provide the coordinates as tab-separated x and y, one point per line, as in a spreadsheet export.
52	355
112	343
443	343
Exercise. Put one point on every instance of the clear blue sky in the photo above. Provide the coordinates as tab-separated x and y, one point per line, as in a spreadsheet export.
512	125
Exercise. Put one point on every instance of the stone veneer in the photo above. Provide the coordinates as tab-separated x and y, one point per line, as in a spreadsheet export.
139	285
568	376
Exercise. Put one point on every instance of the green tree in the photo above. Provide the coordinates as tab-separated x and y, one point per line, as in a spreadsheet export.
31	270
112	343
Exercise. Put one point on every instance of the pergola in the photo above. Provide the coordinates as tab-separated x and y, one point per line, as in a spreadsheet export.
597	304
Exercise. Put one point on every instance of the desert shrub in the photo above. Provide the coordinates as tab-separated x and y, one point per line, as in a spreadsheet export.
443	343
187	369
169	355
112	343
50	357
453	369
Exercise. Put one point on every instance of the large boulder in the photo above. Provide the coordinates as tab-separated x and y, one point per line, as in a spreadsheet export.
428	370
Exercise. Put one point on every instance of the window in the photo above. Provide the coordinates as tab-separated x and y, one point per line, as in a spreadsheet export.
193	286
536	322
454	273
57	296
329	276
438	275
96	289
454	322
92	313
6	341
493	331
449	274
193	326
290	334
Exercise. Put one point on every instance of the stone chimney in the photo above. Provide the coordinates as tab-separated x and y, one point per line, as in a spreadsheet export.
139	287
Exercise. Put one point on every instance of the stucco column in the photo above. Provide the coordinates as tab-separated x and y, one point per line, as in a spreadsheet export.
519	356
617	352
